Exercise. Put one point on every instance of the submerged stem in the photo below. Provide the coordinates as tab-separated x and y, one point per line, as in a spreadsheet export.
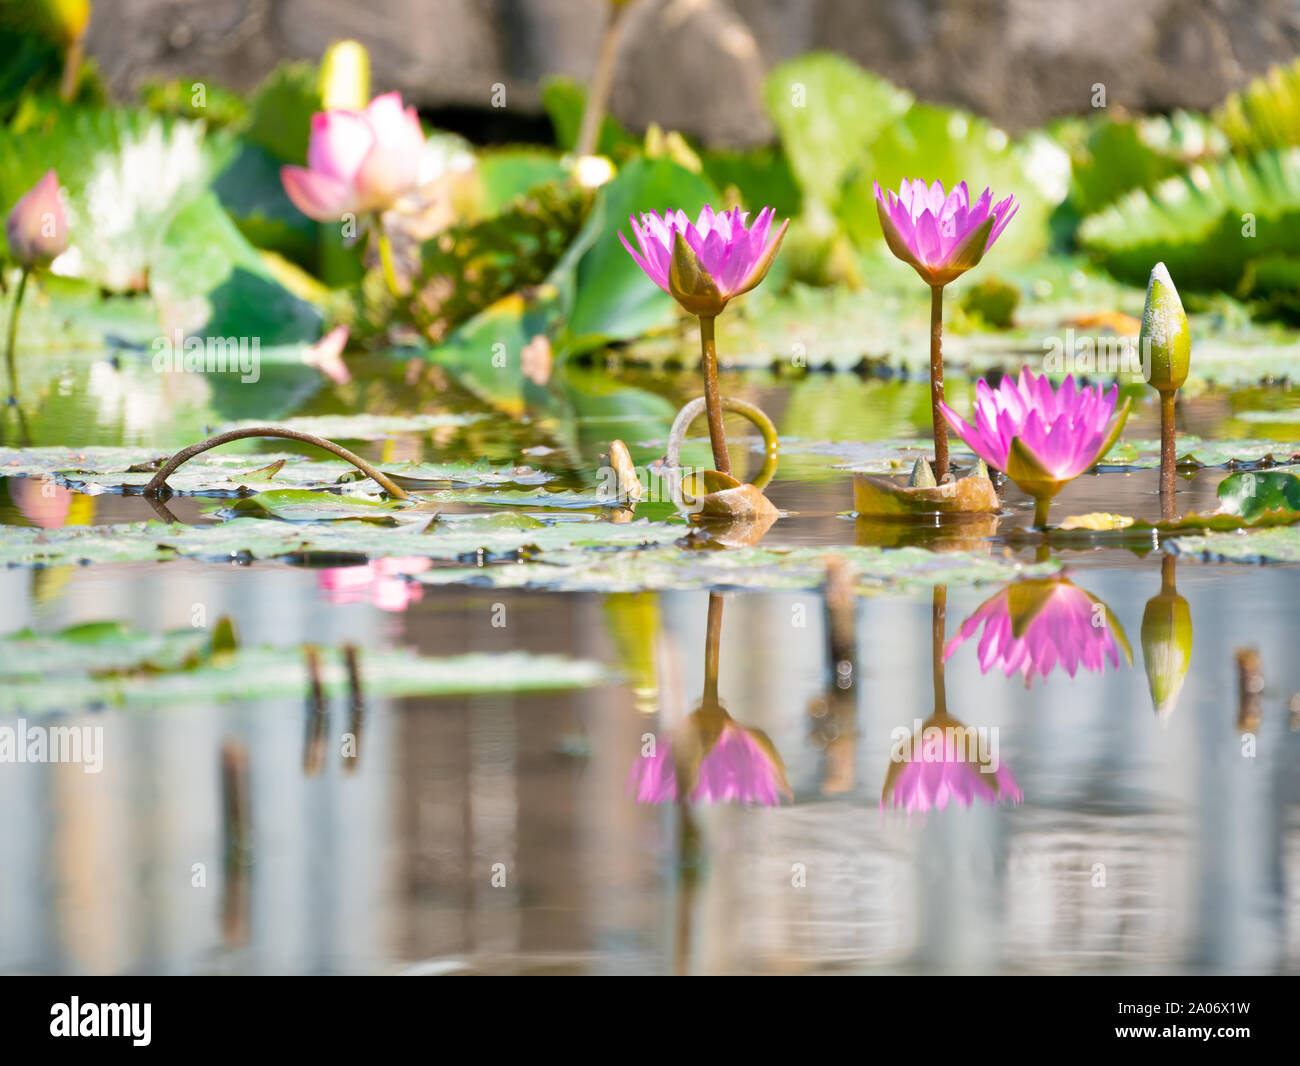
712	639
1168	453
938	634
936	383
712	397
13	336
159	481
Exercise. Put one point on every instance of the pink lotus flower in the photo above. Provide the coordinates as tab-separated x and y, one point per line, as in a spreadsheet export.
717	258
382	582
941	235
37	228
1039	438
357	161
1032	627
735	765
943	764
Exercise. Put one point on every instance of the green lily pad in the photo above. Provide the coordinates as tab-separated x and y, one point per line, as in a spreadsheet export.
453	538
876	569
1254	494
100	664
1254	546
303	505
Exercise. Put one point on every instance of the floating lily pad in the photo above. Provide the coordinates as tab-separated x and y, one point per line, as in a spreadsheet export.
366	427
876	569
303	505
271	673
456	538
1196	453
1254	546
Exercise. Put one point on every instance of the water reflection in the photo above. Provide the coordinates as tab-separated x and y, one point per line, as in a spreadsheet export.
44	503
943	760
1031	627
1166	640
381	582
710	757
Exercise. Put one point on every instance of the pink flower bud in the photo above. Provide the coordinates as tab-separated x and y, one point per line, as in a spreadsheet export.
37	230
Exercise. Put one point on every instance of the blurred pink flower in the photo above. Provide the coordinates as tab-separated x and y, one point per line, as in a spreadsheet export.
381	581
726	257
42	502
941	235
1032	627
37	228
945	766
357	161
729	764
326	355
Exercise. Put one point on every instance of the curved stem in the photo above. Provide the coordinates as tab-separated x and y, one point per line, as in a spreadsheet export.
13	336
1168	453
712	399
159	481
936	383
602	80
696	407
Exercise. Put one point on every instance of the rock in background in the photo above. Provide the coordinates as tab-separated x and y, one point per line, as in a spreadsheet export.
697	65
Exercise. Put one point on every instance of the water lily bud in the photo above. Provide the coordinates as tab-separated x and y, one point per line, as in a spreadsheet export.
345	76
37	230
1166	643
1165	341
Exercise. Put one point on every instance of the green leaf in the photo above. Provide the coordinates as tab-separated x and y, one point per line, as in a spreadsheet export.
564	100
612	299
1266	113
127	175
1253	493
828	111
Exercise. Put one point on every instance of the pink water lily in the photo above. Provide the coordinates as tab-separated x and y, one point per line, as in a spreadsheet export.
1039	437
357	161
723	255
37	227
942	765
1032	627
739	766
941	235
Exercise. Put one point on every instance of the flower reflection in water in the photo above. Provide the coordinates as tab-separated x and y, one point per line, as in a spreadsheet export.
942	760
1032	627
945	761
711	758
41	501
382	582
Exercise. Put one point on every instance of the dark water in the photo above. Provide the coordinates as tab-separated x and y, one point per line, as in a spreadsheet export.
501	834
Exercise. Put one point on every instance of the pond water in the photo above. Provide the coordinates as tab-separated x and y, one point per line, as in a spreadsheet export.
504	834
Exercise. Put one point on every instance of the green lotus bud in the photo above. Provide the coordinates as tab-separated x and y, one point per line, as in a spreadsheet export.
1166	642
345	77
1165	342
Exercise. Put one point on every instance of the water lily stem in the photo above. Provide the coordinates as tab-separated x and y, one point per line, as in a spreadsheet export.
13	337
1168	457
938	633
712	397
159	482
712	639
936	383
1041	506
386	258
602	80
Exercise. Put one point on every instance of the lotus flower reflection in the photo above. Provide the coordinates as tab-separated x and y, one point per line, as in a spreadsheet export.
358	162
1032	627
711	759
941	235
946	762
381	582
1038	437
